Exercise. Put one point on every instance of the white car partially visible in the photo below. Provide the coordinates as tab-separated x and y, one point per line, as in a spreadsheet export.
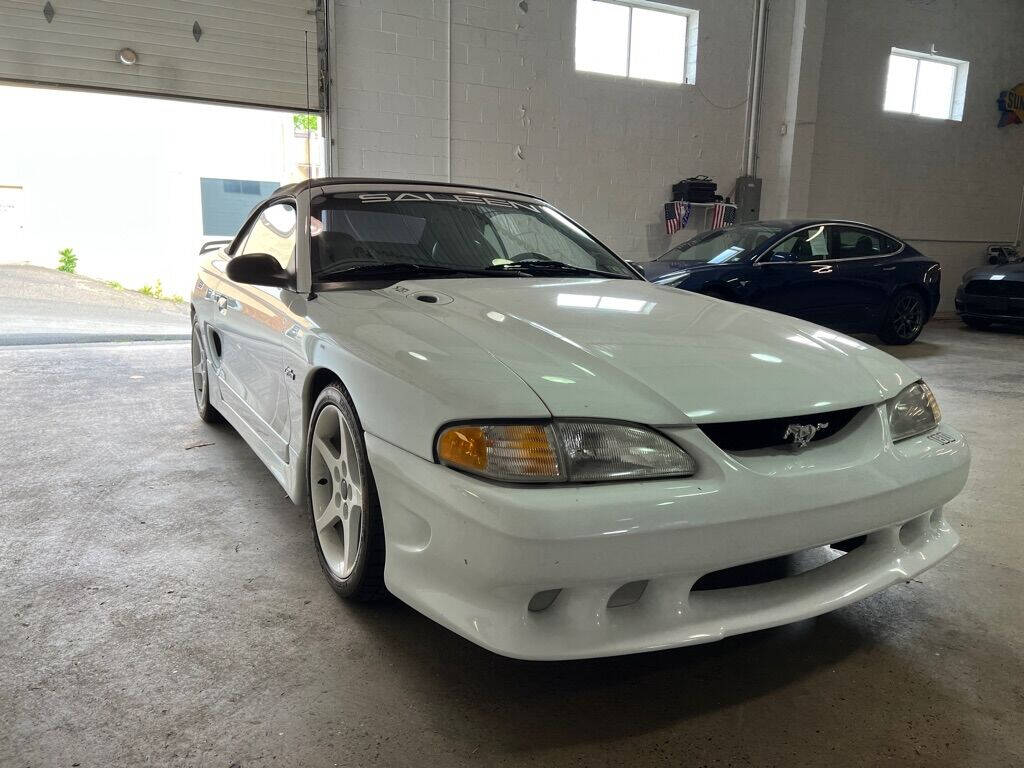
493	417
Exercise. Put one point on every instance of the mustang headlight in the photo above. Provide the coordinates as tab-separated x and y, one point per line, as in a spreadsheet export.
562	451
913	411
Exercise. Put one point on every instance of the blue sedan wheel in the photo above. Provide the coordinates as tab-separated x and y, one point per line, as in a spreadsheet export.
904	319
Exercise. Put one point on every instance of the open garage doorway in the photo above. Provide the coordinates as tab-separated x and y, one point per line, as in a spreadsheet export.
107	200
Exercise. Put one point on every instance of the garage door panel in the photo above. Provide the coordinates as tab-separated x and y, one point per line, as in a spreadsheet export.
248	53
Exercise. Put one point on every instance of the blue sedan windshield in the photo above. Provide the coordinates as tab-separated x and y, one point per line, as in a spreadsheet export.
723	246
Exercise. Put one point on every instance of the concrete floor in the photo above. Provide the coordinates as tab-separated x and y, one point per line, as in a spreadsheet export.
161	605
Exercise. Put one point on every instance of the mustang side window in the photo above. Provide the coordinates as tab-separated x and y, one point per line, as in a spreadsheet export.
274	233
806	245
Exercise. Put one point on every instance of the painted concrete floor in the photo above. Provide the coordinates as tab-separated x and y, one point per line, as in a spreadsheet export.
160	604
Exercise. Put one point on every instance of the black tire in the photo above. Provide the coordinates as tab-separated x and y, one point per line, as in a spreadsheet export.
904	318
365	581
977	323
201	379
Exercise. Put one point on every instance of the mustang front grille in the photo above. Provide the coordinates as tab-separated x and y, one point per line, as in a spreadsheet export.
773	433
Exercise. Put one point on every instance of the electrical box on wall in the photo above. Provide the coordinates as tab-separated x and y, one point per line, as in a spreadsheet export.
748	199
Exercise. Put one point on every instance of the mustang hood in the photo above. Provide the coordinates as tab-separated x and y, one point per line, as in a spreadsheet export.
630	350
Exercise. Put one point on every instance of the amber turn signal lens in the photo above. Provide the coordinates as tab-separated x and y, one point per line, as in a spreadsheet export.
513	452
464	447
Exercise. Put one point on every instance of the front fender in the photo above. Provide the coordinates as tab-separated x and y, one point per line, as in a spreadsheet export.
406	373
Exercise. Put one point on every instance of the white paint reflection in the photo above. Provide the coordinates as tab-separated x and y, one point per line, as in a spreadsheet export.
699	414
611	303
804	340
838	338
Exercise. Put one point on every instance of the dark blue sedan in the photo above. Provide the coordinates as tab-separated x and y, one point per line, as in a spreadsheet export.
840	274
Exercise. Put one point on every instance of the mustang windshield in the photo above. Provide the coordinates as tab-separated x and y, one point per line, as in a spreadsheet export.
368	234
723	246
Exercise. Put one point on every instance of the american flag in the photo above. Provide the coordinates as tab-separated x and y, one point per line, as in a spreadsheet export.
676	215
722	215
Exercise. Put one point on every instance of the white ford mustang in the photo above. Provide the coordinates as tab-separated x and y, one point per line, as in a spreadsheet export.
491	416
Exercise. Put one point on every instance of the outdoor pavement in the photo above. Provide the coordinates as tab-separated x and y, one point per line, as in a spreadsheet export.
45	306
161	605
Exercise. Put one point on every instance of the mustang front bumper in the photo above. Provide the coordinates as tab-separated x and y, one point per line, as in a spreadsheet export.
472	554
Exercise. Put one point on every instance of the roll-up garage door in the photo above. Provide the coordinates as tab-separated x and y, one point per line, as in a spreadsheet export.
240	51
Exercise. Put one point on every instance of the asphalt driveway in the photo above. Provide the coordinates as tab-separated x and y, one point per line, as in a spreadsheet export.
45	306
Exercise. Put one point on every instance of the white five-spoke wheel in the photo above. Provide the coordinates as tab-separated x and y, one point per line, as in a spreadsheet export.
343	500
201	379
337	498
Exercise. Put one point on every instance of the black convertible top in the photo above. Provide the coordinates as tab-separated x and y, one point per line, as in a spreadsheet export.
291	189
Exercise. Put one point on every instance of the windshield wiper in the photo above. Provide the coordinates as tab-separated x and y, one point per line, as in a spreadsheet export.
546	266
394	268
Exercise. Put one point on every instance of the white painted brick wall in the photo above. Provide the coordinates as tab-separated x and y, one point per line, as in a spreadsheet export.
391	88
486	92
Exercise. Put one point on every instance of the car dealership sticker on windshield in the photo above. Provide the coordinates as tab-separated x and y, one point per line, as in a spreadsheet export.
430	197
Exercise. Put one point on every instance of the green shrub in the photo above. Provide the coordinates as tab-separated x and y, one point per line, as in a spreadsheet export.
178	298
68	261
305	123
156	291
115	285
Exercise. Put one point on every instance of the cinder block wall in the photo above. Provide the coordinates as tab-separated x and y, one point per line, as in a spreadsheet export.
485	91
391	88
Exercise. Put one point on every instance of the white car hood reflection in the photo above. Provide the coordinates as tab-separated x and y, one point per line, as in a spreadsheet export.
641	352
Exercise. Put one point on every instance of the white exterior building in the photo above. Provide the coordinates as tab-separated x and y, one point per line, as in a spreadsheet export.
117	178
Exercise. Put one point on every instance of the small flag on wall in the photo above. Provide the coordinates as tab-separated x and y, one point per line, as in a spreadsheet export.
676	215
722	215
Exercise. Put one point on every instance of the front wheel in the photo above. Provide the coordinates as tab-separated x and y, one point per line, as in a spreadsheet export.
347	528
904	319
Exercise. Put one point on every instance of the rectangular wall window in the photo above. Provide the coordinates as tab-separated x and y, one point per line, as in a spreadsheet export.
641	40
926	85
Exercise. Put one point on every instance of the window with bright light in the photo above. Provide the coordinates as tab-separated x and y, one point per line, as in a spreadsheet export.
642	40
926	85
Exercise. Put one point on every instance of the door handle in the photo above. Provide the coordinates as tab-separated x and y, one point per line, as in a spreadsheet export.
888	269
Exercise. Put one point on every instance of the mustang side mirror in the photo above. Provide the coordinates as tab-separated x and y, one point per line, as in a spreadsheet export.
258	269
